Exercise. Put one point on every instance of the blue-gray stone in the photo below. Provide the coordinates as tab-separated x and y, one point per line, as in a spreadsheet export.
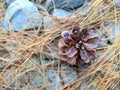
60	13
0	23
48	24
115	32
69	4
8	2
38	1
115	29
22	14
3	64
84	10
69	75
116	1
54	80
36	78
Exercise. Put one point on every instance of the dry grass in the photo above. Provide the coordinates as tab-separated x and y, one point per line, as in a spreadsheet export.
103	74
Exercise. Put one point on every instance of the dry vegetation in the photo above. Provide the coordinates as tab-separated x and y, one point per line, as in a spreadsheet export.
18	48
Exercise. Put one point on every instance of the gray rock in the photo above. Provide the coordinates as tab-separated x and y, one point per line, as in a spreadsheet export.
27	87
36	78
0	23
2	29
69	74
3	64
8	2
10	46
108	33
8	77
115	27
69	4
117	87
116	1
48	23
22	15
112	30
84	85
54	80
60	13
66	76
38	1
54	53
84	9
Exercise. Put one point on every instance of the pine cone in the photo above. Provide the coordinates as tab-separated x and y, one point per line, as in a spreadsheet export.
78	46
